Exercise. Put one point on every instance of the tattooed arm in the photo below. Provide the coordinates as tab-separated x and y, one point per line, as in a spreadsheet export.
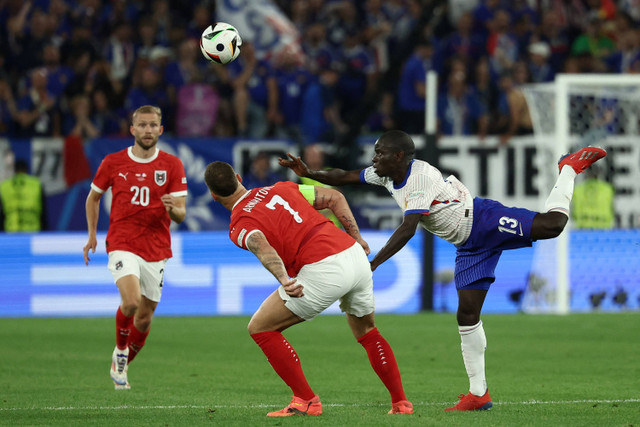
328	198
258	244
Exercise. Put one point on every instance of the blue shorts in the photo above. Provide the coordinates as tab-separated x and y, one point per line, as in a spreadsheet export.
495	228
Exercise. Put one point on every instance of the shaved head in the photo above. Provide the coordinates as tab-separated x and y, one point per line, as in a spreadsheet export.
397	141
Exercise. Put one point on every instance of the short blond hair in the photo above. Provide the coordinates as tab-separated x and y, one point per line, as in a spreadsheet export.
146	109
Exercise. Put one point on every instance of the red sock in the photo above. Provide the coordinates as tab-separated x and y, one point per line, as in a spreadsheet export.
285	362
136	342
123	327
384	363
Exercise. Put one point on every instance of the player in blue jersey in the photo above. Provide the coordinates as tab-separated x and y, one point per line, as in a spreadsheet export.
480	229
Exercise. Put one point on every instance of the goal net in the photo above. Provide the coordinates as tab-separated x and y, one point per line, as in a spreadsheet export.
574	111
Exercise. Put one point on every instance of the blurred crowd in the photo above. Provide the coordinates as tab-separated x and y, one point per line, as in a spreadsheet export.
81	67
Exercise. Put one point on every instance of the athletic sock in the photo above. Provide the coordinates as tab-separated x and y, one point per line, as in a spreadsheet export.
285	362
123	328
474	343
136	342
384	363
559	199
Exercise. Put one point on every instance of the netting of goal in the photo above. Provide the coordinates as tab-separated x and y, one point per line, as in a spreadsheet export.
574	111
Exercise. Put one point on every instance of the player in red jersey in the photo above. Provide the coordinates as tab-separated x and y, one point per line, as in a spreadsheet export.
316	264
148	188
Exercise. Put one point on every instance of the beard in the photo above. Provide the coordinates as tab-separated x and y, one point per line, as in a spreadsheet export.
147	144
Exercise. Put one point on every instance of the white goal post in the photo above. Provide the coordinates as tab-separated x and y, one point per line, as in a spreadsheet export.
577	110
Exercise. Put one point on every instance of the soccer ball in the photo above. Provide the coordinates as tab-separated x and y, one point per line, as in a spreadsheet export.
220	43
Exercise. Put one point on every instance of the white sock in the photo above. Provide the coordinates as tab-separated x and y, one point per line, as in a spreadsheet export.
559	199
474	343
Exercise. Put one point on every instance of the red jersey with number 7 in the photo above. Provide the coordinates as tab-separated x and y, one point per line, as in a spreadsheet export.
138	221
299	233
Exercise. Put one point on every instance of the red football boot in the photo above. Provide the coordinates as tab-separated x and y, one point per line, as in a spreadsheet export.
471	402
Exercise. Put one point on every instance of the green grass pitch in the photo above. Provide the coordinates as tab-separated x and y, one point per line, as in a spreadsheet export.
575	370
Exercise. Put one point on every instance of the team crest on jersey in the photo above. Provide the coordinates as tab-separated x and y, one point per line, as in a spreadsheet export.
160	177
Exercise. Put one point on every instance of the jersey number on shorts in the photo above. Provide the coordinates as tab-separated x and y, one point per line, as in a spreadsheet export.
277	200
140	195
512	225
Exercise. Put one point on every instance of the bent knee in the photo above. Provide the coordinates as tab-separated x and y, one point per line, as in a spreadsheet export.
129	308
557	223
143	324
255	326
548	225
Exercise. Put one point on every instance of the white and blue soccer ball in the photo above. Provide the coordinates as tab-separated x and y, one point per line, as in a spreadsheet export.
220	43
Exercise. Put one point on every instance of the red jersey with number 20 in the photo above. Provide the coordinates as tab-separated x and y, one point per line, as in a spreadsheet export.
299	233
138	221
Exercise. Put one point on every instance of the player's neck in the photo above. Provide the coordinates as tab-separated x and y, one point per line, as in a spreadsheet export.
398	178
143	153
229	202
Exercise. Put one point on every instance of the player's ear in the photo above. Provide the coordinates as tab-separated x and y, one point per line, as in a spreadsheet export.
131	130
214	196
239	178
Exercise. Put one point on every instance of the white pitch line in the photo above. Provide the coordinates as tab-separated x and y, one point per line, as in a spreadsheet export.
262	405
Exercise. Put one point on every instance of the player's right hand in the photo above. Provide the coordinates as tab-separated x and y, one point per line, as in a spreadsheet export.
295	164
91	244
293	289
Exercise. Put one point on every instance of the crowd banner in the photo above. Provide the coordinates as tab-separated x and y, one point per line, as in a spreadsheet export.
262	23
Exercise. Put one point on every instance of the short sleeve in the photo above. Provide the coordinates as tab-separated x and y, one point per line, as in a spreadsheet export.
102	181
241	230
178	185
369	176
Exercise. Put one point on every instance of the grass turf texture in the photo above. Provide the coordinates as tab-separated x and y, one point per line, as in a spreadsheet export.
577	370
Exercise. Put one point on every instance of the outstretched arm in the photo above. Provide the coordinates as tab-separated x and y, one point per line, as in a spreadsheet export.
259	245
398	239
328	198
329	176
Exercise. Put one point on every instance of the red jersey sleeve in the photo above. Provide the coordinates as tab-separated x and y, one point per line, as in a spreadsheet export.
102	181
241	230
178	185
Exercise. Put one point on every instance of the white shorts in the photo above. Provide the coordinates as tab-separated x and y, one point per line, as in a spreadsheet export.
345	276
150	274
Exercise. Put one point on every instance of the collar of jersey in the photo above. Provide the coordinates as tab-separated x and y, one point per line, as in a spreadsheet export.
140	159
240	199
399	186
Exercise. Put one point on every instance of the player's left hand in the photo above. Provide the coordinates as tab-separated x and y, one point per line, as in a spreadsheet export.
169	201
364	245
293	289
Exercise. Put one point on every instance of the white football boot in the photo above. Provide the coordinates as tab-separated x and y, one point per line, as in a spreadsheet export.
119	368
